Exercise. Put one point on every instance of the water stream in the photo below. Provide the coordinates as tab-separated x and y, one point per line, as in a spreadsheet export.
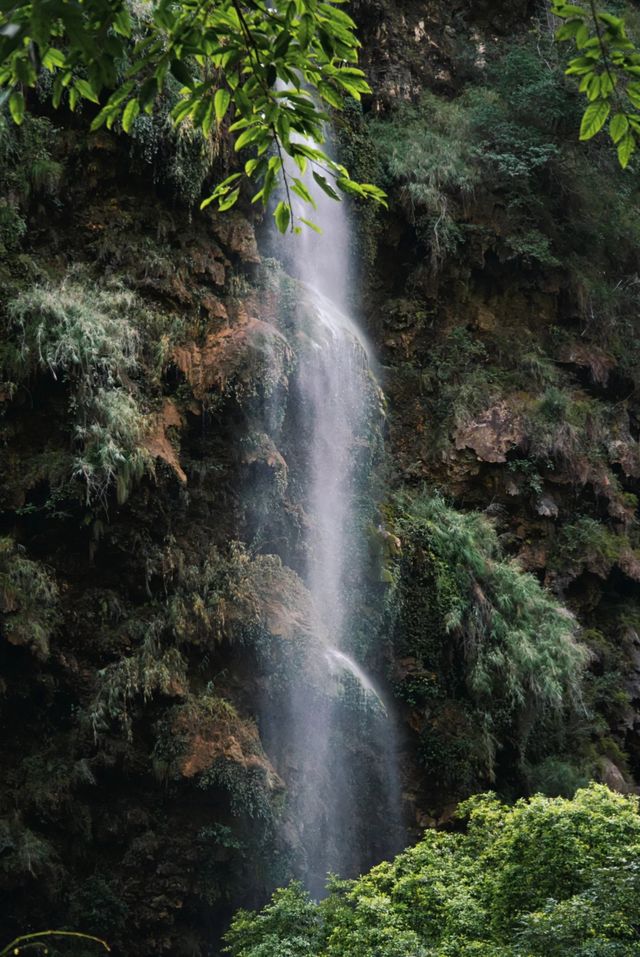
346	795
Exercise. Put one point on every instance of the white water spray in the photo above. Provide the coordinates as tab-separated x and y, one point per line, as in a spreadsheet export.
336	750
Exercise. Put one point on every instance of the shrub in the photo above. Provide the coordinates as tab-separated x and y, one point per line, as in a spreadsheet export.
500	649
151	669
27	170
28	599
86	336
427	151
77	331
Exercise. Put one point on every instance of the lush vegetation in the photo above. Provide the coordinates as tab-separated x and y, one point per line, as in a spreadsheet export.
258	66
608	64
252	63
85	337
544	877
490	658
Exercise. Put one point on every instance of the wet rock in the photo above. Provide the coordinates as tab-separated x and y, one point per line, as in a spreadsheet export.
242	355
493	434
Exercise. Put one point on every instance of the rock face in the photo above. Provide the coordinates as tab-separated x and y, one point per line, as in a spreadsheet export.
493	434
151	557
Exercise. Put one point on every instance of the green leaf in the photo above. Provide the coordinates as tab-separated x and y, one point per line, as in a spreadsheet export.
582	36
16	107
282	216
305	30
182	72
626	147
221	104
330	96
249	136
570	10
53	59
86	90
569	30
207	119
633	92
325	186
595	116
131	110
299	188
229	200
593	88
618	126
311	225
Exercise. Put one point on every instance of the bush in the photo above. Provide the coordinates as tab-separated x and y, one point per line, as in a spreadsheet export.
545	878
29	611
27	171
491	646
85	335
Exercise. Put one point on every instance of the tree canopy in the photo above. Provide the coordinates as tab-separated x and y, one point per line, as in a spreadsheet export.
542	878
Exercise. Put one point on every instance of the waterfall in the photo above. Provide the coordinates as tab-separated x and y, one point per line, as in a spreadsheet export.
342	779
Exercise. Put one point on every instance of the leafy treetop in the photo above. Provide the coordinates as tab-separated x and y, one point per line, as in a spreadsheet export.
268	70
547	877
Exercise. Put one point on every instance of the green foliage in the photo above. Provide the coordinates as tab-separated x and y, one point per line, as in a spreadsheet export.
248	65
544	877
495	654
428	150
29	599
87	337
557	778
438	153
608	67
76	331
587	543
288	926
28	171
151	669
181	157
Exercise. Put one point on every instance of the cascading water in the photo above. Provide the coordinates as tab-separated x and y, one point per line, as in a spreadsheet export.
341	739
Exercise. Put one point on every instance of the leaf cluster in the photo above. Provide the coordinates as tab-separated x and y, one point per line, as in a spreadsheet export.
268	72
608	67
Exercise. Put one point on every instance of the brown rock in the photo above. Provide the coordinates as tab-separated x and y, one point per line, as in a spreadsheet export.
231	353
612	776
157	442
494	433
590	357
237	234
214	731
